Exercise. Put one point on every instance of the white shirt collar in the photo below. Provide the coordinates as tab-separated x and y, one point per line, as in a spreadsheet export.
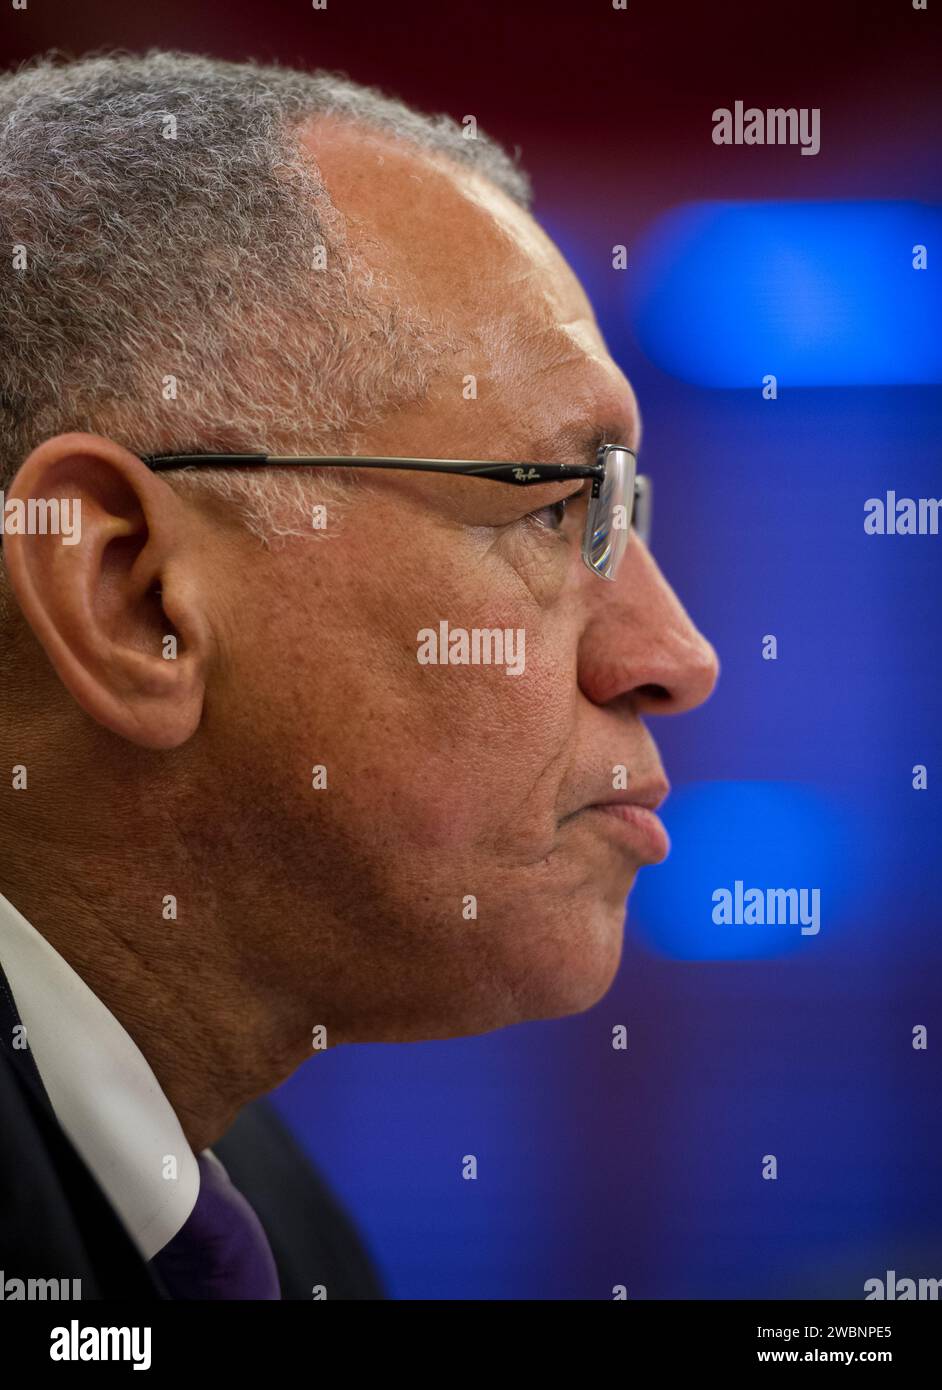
102	1089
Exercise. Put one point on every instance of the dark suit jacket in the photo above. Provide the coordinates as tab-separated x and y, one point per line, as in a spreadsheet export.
57	1223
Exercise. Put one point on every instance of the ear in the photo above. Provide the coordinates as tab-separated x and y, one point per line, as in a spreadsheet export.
104	594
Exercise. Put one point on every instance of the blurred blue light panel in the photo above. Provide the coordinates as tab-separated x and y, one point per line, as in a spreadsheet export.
816	294
765	835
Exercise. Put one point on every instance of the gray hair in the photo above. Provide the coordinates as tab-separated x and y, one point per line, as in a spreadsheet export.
160	225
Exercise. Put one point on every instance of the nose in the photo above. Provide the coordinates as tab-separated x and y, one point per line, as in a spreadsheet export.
640	643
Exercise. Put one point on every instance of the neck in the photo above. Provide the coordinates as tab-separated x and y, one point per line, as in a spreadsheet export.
213	1041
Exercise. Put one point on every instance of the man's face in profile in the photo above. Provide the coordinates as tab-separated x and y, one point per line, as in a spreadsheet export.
456	873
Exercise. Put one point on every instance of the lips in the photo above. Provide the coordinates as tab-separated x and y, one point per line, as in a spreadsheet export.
630	817
638	826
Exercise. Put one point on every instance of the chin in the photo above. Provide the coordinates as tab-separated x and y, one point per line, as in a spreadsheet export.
577	969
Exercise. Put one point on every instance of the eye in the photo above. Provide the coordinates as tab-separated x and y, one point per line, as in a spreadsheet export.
551	517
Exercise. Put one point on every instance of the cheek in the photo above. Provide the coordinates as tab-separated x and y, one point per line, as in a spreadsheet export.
490	743
459	758
432	739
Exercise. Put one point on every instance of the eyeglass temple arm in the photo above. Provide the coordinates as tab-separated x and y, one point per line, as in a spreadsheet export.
521	475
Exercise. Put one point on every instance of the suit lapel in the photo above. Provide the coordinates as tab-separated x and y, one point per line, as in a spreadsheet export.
12	1037
24	1066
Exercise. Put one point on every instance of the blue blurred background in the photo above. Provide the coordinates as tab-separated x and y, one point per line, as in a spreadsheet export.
642	1166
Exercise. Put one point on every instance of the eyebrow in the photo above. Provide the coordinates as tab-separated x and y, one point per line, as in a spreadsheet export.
583	439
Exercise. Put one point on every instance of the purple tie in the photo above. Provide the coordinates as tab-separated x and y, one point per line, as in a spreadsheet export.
221	1250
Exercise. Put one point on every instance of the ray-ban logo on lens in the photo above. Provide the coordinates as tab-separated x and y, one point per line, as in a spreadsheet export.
477	646
42	516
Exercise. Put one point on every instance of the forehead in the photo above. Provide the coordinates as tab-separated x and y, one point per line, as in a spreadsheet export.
457	248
